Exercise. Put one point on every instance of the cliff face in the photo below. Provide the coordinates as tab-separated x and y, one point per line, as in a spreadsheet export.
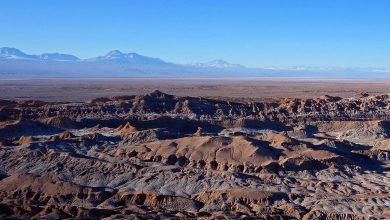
187	157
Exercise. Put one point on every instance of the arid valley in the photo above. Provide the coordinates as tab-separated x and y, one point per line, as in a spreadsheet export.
195	109
179	149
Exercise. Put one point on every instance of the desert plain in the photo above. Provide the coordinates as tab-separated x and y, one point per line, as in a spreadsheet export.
261	88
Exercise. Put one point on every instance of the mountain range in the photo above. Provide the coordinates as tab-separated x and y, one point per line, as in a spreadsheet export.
13	53
15	64
113	57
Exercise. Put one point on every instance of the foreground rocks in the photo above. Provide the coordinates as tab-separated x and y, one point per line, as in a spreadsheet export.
182	157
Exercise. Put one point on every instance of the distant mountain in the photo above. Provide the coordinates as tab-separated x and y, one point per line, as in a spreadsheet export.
217	64
58	57
112	57
15	54
118	57
15	64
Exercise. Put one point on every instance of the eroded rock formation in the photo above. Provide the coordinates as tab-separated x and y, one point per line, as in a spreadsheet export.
188	157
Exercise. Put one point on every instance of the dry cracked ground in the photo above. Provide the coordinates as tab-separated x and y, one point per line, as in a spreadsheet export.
164	156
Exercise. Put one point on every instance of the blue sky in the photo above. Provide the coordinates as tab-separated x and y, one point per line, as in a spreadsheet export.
255	33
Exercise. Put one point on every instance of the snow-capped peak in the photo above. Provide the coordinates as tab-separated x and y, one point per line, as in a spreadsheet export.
13	53
118	57
58	57
217	64
10	51
113	54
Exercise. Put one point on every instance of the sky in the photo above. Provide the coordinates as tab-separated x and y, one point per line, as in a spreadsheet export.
254	33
